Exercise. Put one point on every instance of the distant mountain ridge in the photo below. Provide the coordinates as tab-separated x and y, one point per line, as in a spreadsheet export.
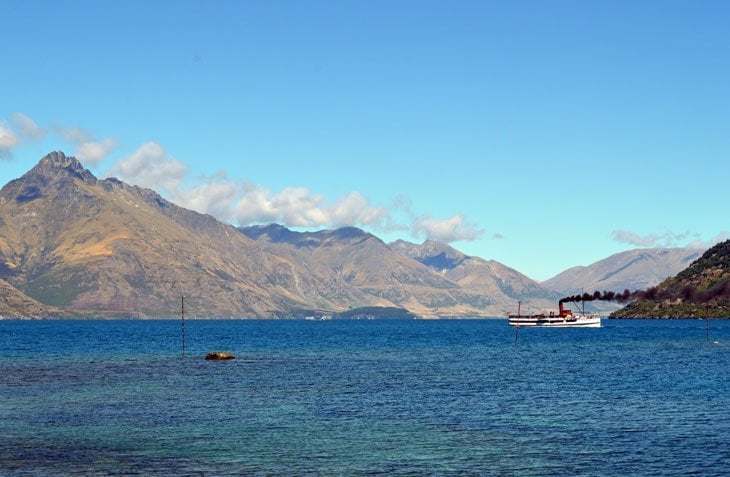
504	285
433	254
276	233
361	264
357	267
633	270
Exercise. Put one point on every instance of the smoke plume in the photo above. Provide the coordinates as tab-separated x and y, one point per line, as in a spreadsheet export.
621	297
688	293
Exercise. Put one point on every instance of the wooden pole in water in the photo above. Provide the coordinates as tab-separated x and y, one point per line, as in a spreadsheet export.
182	321
517	326
707	329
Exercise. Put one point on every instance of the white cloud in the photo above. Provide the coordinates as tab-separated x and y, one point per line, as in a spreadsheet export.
215	196
18	130
74	135
87	149
93	152
299	207
453	229
150	166
701	244
255	206
244	203
21	129
632	238
29	130
667	239
355	208
8	140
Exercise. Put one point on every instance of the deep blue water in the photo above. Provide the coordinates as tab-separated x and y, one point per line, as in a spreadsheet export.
451	397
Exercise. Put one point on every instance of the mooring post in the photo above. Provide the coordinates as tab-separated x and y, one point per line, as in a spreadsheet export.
182	321
707	329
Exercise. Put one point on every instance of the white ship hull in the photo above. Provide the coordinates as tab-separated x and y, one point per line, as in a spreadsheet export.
572	321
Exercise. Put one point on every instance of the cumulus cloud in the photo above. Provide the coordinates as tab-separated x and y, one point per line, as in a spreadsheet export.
74	135
355	208
8	140
453	229
667	239
245	203
300	207
705	244
236	201
87	149
632	238
150	166
215	195
20	129
294	206
93	152
27	128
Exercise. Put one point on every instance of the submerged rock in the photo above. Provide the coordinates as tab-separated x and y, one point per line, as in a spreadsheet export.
218	356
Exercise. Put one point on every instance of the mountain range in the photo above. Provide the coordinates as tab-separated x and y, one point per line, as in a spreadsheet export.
482	277
93	247
74	245
351	261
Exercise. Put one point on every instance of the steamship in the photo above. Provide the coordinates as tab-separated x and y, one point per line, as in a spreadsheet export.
563	319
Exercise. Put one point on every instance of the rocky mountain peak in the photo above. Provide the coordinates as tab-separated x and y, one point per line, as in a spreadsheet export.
434	247
58	159
432	253
56	163
51	175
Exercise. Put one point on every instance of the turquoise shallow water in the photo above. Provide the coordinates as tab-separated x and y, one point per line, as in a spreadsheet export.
364	398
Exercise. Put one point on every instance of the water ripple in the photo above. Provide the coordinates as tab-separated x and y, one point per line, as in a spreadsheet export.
376	398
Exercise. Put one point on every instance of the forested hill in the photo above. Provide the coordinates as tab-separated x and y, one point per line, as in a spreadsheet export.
700	291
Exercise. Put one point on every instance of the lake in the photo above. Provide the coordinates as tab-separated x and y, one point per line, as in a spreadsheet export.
447	397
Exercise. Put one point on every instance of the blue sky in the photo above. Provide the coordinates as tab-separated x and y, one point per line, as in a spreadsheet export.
542	134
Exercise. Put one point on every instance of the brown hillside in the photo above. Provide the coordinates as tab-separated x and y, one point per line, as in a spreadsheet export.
103	247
